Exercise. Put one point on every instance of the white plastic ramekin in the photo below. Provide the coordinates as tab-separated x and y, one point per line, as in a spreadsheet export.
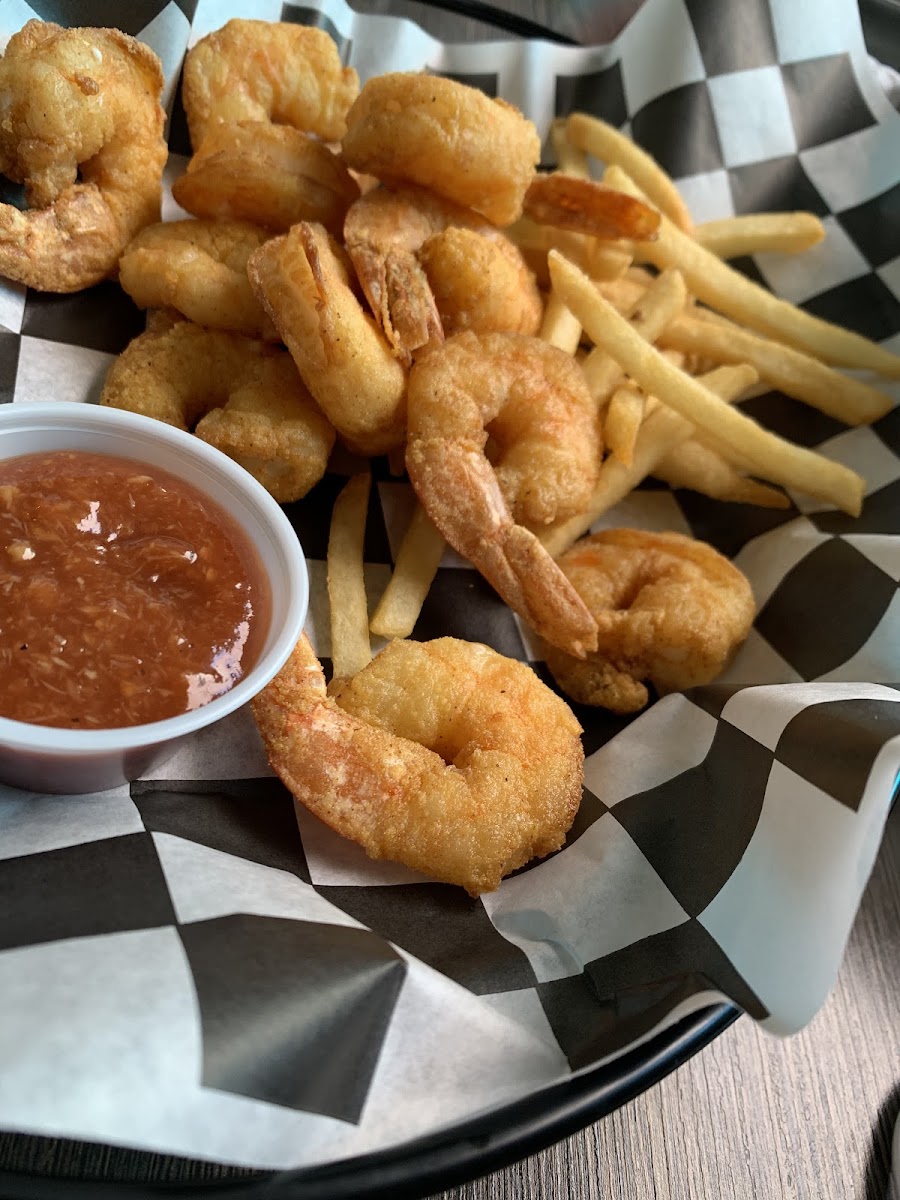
43	759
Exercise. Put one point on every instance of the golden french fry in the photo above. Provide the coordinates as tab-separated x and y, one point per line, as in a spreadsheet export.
786	233
622	420
789	370
718	285
772	458
650	313
417	563
661	430
350	647
569	159
601	260
698	467
559	327
605	143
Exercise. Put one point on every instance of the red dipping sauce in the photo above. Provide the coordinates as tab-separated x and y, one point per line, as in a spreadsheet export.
126	595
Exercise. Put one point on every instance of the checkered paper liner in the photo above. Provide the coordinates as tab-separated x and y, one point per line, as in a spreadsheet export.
180	970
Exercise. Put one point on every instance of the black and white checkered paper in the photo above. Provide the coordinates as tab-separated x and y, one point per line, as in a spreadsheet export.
189	965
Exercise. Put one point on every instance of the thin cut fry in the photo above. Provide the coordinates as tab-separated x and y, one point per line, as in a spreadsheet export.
649	315
661	430
611	147
787	369
785	233
698	467
559	327
772	457
622	420
716	284
350	648
569	159
417	563
601	260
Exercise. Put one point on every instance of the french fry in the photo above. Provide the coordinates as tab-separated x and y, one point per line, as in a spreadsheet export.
559	327
651	312
661	430
417	563
718	285
786	233
622	420
601	260
699	468
350	647
781	366
605	143
772	458
569	159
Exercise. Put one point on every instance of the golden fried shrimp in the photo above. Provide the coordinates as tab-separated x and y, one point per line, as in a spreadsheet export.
82	129
531	398
200	269
449	138
304	285
237	393
669	609
267	71
443	755
270	174
386	232
588	207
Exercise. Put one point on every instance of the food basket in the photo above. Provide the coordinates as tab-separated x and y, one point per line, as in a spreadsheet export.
195	996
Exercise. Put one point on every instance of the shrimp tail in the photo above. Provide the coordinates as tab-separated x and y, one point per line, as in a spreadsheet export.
586	206
64	248
400	297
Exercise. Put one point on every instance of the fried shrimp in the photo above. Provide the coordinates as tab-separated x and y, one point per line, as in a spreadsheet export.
443	755
82	129
532	400
587	207
200	269
267	71
270	174
669	609
452	139
388	232
237	393
304	285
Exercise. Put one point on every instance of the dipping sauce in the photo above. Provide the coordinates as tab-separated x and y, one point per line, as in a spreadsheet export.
126	595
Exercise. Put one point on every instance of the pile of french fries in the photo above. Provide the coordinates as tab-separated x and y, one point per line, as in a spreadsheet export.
670	348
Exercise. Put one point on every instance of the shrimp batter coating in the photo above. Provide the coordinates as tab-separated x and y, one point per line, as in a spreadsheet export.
669	609
481	153
533	402
304	284
82	129
270	174
443	755
200	269
267	71
237	393
389	235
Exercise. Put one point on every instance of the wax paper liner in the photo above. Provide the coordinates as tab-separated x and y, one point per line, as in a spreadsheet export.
180	971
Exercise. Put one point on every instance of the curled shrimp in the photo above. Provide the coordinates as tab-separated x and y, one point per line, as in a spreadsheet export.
270	174
82	129
391	235
442	135
267	71
669	609
443	755
240	394
198	268
305	286
531	398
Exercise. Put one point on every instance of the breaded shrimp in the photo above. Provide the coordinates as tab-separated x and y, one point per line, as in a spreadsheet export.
82	129
443	755
200	269
669	609
532	400
270	174
452	139
237	393
387	233
267	71
303	282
